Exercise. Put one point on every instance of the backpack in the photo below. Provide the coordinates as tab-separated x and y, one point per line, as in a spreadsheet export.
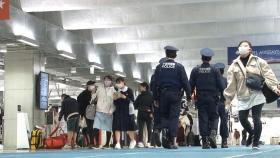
36	139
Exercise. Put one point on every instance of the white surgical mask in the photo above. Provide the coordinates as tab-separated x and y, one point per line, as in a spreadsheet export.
243	50
107	83
91	88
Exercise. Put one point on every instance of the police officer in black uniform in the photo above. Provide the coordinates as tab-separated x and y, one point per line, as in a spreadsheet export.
170	78
221	108
207	81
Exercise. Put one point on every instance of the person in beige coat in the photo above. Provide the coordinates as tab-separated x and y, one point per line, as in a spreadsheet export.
248	99
104	108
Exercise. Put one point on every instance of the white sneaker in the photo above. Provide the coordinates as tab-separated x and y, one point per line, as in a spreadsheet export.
118	146
67	147
148	145
140	145
132	144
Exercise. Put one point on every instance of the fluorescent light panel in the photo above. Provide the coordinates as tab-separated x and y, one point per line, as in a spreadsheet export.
67	55
121	74
138	80
96	65
27	41
73	70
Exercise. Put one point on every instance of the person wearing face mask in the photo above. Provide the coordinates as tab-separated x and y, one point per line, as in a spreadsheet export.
104	108
84	99
123	119
249	99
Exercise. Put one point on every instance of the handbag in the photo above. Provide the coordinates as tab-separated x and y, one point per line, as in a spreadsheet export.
270	95
257	82
56	142
91	110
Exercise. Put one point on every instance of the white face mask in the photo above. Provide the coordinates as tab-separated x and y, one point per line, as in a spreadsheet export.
107	83
91	88
243	50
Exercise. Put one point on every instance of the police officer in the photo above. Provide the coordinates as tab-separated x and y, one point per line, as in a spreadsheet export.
170	78
221	108
157	127
207	81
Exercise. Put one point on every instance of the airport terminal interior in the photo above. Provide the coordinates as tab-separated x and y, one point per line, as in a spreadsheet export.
49	48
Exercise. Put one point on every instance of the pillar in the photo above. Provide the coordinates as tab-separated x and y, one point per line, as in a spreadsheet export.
21	69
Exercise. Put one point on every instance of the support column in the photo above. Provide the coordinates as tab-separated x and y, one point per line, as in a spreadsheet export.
21	69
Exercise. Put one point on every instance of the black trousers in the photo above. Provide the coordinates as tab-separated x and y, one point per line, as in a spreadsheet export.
256	115
149	123
170	111
223	120
208	116
90	130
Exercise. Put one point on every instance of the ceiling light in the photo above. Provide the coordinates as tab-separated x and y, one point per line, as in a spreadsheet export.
3	49
27	41
120	74
64	46
96	65
138	80
67	55
91	70
98	78
73	70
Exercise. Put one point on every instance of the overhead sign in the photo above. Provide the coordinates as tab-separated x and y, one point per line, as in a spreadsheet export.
270	53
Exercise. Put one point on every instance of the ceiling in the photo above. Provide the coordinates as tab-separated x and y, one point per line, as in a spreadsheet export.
129	35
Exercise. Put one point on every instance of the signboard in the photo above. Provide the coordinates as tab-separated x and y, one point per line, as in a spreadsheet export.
43	90
270	53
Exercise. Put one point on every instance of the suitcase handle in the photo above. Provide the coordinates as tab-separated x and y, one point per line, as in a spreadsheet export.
55	130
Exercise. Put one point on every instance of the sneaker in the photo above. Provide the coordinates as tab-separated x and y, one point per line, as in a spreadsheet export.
140	145
118	146
106	146
148	145
255	146
132	144
67	147
249	141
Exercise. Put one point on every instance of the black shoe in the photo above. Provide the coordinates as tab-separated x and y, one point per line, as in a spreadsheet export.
249	140
157	138
224	143
212	139
106	146
256	146
205	143
165	139
173	147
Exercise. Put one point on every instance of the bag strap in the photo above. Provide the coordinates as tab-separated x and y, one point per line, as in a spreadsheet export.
258	63
241	69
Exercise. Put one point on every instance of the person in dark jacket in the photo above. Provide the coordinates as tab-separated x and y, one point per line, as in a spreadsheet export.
84	99
70	111
144	105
